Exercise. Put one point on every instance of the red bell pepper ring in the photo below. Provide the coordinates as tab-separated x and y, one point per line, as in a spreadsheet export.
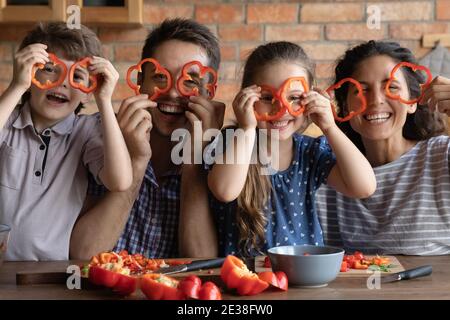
279	96
158	69
203	71
275	99
160	287
209	291
190	286
277	279
284	89
85	62
360	96
49	84
235	275
414	67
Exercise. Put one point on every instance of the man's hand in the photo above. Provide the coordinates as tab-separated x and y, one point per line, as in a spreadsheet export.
136	122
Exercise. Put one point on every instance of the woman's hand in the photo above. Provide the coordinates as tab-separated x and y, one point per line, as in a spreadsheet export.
437	95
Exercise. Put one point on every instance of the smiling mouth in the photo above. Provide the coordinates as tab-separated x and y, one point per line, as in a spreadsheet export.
378	117
57	97
280	124
170	109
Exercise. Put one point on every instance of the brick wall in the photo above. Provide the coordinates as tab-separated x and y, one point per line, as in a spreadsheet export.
324	28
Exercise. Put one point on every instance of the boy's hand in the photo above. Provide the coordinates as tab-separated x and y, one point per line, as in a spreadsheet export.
24	61
110	76
243	106
318	108
136	122
437	95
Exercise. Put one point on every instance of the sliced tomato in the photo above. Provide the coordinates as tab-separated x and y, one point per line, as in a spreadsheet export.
209	291
277	279
236	275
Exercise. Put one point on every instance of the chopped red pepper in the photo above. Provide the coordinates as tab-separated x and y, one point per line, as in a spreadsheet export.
267	263
158	70
360	96
277	279
193	90
85	62
235	275
344	266
414	67
358	261
209	291
190	286
119	283
103	277
126	285
49	84
161	287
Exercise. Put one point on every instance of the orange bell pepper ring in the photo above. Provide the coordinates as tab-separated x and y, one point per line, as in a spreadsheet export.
280	96
360	96
49	84
85	62
285	89
236	275
414	68
203	71
158	70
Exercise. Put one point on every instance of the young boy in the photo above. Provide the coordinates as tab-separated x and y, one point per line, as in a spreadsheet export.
46	149
147	218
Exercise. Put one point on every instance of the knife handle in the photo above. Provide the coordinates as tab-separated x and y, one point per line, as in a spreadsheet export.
417	272
205	264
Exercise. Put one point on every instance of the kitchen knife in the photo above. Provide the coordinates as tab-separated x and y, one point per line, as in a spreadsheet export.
194	265
408	274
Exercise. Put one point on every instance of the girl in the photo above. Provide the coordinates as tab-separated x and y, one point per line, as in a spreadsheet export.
256	211
410	211
46	149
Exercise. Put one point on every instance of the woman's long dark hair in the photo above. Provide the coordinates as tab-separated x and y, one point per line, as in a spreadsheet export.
422	124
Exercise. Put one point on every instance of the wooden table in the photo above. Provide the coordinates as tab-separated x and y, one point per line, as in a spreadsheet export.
436	286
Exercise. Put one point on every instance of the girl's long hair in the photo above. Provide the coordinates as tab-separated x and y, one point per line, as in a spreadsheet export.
251	219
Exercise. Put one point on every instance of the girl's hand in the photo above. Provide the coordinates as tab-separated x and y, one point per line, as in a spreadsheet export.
318	108
24	61
243	106
110	76
437	95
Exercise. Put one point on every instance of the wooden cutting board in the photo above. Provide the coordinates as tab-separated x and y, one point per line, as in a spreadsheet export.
259	266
